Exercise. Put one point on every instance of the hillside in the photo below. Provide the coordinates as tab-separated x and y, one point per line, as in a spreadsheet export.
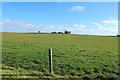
74	56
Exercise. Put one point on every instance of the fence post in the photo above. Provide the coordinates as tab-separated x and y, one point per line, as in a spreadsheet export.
50	60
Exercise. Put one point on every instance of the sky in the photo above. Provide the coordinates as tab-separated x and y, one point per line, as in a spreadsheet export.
60	0
92	18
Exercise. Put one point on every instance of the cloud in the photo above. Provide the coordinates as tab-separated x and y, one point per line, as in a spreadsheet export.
97	24
79	25
76	8
22	26
106	27
111	21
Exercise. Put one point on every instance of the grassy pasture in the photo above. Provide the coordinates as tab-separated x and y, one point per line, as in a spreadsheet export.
75	56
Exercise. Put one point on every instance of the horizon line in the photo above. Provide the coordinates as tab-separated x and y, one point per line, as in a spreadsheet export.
59	33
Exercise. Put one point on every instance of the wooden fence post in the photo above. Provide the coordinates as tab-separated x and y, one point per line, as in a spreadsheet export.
50	60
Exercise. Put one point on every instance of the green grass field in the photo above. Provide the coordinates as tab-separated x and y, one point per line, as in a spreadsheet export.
74	56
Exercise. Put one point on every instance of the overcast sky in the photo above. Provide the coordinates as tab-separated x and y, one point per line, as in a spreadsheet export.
93	18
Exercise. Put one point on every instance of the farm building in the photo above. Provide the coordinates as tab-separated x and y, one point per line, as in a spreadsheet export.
67	32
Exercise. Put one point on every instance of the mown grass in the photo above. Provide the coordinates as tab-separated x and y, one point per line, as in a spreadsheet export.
76	56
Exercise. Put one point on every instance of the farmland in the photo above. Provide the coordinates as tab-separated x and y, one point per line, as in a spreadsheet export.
74	56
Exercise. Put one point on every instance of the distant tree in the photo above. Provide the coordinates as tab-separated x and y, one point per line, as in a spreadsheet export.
60	32
38	31
118	35
53	32
67	32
